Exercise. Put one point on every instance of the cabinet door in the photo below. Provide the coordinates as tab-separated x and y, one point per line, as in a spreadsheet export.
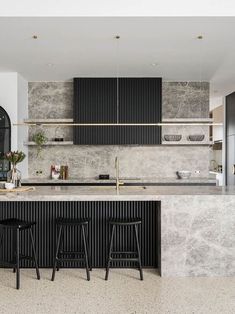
230	132
230	114
95	101
230	160
140	101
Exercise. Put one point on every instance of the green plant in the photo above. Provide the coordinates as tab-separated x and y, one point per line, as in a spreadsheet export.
40	139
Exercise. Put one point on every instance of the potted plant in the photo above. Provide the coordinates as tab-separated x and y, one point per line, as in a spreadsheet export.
40	139
14	175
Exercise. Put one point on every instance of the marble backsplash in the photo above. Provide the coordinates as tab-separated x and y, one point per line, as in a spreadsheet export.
180	99
135	161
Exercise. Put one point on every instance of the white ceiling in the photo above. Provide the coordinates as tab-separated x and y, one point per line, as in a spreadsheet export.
86	47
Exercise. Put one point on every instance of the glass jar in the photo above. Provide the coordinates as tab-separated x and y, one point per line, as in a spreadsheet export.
14	176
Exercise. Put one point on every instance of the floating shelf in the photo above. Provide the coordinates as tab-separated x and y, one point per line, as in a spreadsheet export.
188	120
45	121
195	143
70	122
50	143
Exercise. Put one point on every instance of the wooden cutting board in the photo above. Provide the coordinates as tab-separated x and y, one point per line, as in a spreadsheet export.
21	189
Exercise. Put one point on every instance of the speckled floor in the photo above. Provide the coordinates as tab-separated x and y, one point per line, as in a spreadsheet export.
123	293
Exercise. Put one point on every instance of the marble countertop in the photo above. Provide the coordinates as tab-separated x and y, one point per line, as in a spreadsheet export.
149	180
86	193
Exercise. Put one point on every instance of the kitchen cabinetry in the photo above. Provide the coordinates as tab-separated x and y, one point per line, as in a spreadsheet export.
230	139
126	100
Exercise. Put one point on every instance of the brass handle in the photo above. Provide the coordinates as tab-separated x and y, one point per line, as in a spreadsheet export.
233	169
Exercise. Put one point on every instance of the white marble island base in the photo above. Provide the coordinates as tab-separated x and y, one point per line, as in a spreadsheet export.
197	224
198	235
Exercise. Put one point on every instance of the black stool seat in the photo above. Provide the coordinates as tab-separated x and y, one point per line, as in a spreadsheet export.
17	226
16	223
72	222
125	222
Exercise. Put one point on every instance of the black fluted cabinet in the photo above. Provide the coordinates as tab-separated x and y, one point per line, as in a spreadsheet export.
45	213
139	101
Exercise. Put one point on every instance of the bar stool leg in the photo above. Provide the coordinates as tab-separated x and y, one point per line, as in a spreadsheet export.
110	252
60	251
1	237
86	255
14	248
88	249
138	250
34	253
56	254
17	259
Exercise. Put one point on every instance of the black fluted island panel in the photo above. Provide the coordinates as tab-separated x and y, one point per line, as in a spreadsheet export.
45	213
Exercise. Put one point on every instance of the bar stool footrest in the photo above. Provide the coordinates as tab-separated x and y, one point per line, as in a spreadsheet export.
126	252
70	253
26	257
70	260
7	264
124	259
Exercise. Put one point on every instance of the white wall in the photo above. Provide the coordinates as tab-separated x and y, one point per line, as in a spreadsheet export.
8	100
216	102
14	99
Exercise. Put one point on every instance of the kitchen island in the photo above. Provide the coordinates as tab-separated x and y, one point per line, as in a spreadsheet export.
191	229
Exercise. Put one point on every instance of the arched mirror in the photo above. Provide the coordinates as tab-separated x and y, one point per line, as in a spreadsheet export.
5	141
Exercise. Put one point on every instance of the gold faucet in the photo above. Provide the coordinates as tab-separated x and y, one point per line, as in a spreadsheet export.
118	182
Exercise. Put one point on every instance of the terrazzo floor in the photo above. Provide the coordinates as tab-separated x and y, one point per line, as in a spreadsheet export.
123	293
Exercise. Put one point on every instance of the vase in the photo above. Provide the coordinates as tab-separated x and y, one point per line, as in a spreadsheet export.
14	176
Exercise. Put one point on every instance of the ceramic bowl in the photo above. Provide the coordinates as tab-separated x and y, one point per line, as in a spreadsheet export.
196	137
184	174
172	137
9	186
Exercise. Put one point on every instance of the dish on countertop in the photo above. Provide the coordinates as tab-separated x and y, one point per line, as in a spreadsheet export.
183	174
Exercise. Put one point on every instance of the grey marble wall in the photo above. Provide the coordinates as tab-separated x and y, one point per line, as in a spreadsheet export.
54	100
185	100
50	100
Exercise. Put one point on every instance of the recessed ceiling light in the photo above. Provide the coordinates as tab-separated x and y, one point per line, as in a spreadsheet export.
50	64
199	37
154	64
35	36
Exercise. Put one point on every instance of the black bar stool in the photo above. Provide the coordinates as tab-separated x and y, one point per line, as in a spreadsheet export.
123	223
17	226
62	223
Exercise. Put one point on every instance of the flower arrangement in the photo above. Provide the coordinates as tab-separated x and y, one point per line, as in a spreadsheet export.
14	157
14	175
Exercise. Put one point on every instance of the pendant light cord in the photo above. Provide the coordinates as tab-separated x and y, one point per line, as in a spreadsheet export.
117	74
